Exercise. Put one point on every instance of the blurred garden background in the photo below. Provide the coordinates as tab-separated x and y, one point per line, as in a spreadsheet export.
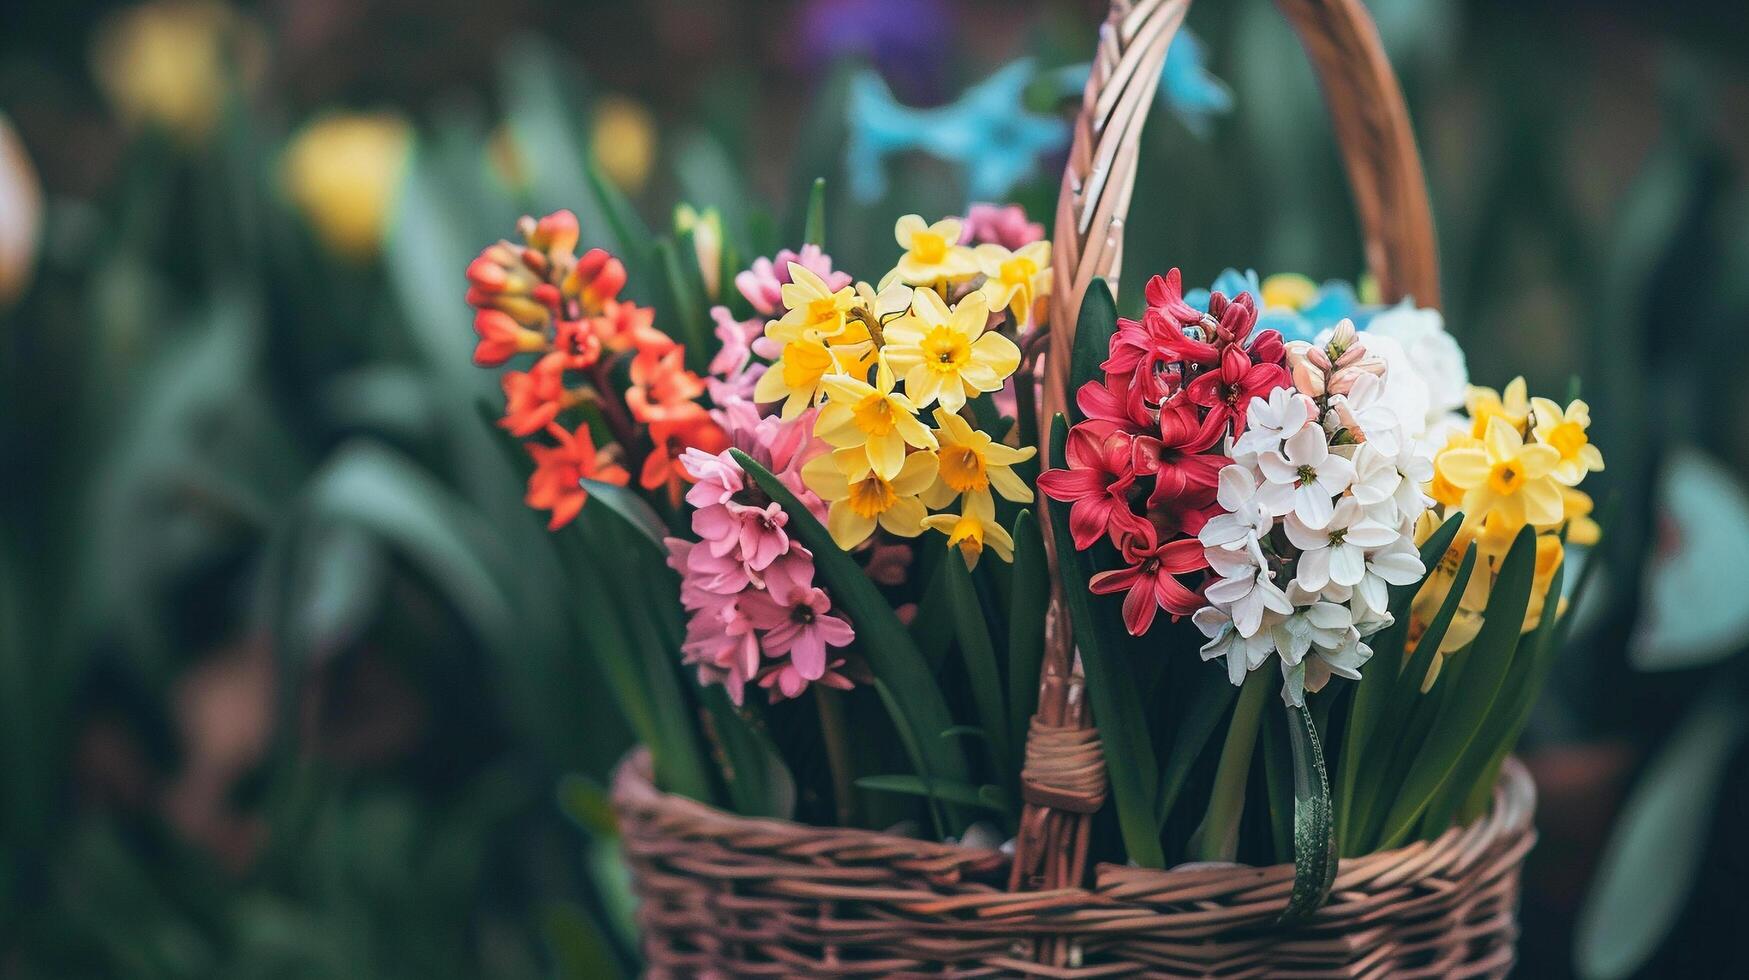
293	685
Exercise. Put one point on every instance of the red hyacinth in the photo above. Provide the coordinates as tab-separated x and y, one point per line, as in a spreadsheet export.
1097	483
1151	578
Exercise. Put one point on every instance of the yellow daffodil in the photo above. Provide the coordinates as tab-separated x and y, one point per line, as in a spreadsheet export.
973	529
794	378
622	139
973	463
1566	432
947	355
1504	478
858	498
1288	290
812	309
1015	280
1581	529
932	252
1483	404
873	419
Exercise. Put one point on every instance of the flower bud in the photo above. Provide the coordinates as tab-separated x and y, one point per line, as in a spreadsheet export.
555	234
1302	363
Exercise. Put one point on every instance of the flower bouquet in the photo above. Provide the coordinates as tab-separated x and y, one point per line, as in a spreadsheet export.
926	585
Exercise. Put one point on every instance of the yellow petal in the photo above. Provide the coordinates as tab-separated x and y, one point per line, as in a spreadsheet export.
907	228
1465	467
1009	484
905	518
1502	440
970	316
823	475
848	528
929	308
917	473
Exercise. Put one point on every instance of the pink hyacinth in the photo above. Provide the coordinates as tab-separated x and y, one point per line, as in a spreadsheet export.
763	283
999	224
801	625
733	373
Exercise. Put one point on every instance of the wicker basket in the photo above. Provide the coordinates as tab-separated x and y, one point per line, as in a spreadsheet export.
730	896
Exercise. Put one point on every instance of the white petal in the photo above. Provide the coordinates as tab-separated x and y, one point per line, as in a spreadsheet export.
1311	504
1347	564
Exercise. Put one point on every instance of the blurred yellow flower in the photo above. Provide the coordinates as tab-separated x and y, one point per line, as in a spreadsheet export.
21	204
623	141
1288	290
974	528
169	63
344	173
858	499
1486	403
933	253
1581	529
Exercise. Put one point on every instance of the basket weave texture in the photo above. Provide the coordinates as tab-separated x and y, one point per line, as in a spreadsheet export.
727	896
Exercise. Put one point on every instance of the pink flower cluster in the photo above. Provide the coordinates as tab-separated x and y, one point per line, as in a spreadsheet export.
756	615
999	224
1144	466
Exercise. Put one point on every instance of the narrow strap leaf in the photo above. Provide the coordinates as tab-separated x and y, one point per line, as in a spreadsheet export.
1117	710
1093	330
1314	821
979	655
632	509
814	229
1030	590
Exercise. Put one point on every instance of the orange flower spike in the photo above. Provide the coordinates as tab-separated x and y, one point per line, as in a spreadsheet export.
594	280
577	345
533	398
671	438
662	388
623	326
555	234
554	484
502	338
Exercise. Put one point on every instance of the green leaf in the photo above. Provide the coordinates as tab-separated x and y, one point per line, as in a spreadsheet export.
1093	330
1314	821
1518	693
979	656
685	318
1217	838
919	708
986	797
632	509
814	228
759	783
641	595
1123	728
1462	709
1377	684
1030	591
1655	850
1207	705
632	237
932	627
1387	752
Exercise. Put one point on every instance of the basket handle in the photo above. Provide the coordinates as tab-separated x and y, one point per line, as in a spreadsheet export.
1064	776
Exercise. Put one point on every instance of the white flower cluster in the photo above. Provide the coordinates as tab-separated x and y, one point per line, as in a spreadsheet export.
1318	515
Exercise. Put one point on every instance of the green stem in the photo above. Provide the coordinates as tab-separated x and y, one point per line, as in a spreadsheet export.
1218	837
837	753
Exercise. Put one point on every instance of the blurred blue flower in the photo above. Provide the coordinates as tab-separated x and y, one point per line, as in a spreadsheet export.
987	132
1332	302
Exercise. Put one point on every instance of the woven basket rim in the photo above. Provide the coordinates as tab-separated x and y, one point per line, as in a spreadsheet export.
1509	815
